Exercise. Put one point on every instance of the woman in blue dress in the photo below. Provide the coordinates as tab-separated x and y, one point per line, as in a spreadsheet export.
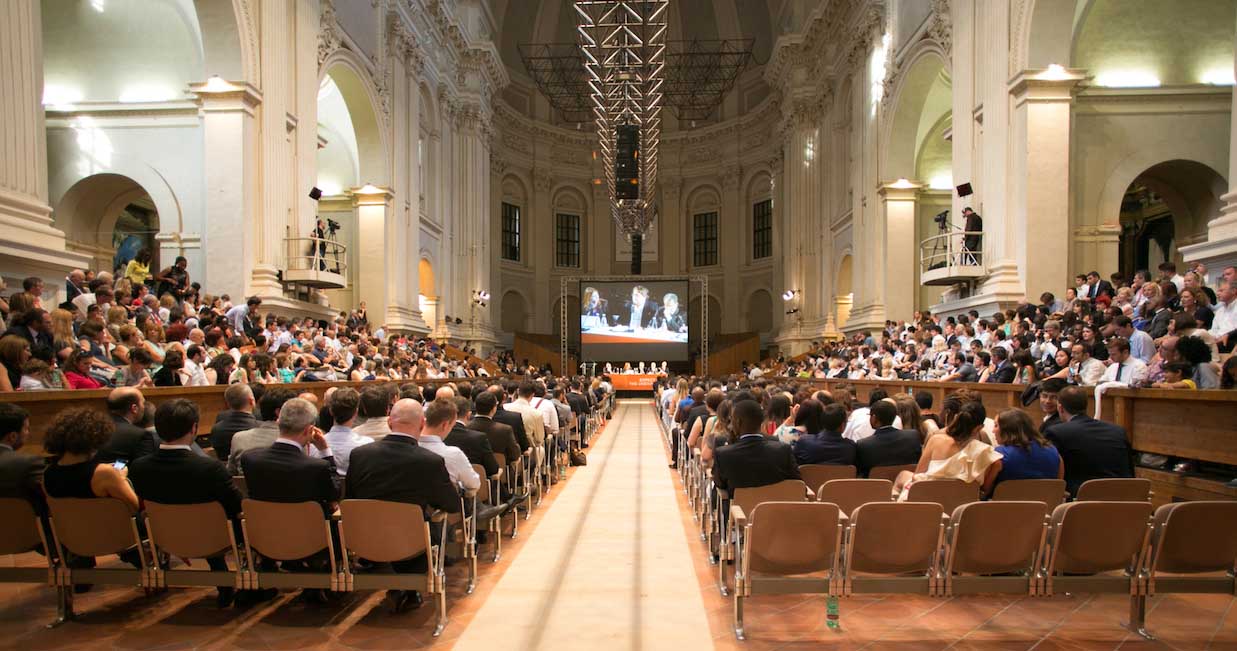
1026	454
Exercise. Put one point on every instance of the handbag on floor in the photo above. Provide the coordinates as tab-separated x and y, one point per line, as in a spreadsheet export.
578	458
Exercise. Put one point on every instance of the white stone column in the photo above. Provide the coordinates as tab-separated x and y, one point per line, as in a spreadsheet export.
373	207
898	207
1220	249
276	214
230	130
801	220
1029	259
30	245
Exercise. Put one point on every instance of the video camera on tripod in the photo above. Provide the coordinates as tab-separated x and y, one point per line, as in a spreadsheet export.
333	226
942	220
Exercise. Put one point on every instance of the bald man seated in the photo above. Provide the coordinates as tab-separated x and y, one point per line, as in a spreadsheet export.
127	406
397	469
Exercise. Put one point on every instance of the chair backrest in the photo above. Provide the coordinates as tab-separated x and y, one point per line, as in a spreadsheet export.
92	526
189	530
1191	537
793	537
787	490
895	537
1114	490
1049	491
815	474
849	494
949	493
285	531
381	531
889	472
996	537
1093	537
20	532
501	459
483	493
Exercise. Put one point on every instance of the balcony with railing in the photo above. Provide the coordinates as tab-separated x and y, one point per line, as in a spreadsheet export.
316	262
945	259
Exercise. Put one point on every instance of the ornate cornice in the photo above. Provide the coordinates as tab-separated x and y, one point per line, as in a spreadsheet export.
941	29
329	38
543	180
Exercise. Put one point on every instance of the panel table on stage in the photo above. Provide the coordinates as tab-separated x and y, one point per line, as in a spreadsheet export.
634	381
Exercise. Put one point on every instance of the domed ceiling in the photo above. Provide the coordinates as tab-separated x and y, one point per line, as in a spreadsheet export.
554	21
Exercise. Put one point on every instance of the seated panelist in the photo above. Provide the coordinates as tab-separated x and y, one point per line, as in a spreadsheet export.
637	313
670	317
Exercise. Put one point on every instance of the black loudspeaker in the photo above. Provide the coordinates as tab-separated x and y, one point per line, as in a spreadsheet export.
626	165
637	252
964	190
315	193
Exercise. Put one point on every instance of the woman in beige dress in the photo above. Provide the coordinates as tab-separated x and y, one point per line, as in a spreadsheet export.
961	454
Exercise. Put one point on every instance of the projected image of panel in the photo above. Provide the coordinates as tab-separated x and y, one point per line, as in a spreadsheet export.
634	321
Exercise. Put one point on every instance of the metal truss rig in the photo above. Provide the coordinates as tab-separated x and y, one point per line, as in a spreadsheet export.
699	73
623	45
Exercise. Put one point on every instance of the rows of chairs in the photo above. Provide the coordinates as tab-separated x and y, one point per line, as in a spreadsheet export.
847	536
348	545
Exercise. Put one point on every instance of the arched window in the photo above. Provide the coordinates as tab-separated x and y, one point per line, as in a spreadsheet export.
511	232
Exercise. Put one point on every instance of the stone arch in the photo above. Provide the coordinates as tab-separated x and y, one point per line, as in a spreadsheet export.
920	98
1168	204
843	288
514	189
759	306
91	209
570	197
703	197
427	292
1043	34
514	312
361	97
228	39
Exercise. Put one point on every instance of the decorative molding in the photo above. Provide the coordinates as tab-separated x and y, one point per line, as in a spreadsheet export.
941	29
543	180
329	38
498	165
730	177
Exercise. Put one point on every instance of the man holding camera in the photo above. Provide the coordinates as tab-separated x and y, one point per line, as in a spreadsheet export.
972	240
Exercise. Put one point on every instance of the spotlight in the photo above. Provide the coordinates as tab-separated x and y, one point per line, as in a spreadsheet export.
315	193
458	321
789	295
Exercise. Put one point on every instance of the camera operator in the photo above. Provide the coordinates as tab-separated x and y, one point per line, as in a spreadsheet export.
973	239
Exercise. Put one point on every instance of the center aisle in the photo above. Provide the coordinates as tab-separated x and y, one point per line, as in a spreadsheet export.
609	567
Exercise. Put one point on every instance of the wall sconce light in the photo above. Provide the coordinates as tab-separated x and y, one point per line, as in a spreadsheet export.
480	297
789	295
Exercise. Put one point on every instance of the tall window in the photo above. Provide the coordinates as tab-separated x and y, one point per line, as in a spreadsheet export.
762	229
704	240
567	240
511	232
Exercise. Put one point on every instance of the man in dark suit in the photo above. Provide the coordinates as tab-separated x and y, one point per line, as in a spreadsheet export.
396	469
21	475
753	460
1049	389
1004	372
500	436
828	446
638	312
128	442
176	475
974	227
509	418
238	418
886	446
1099	287
284	472
476	445
1090	448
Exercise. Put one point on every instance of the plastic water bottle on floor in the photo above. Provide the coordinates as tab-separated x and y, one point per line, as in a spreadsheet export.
832	619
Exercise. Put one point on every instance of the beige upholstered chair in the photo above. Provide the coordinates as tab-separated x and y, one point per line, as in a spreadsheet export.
815	474
850	494
192	531
893	548
1004	539
1114	490
949	493
1049	491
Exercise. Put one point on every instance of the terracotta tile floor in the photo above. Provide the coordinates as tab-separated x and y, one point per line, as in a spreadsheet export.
124	618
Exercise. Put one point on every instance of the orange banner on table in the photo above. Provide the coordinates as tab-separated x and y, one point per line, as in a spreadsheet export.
633	382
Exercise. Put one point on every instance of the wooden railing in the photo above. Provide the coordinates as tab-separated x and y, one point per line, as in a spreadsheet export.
455	353
1197	425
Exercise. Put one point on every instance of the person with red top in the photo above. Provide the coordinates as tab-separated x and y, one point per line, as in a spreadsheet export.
77	372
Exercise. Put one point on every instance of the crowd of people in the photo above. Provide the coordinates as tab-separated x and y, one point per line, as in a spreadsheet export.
139	329
755	433
1171	332
389	441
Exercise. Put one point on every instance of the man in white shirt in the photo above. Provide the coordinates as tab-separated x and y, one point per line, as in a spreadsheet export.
195	359
1224	325
341	439
534	424
439	419
1124	368
375	405
859	426
1084	369
549	415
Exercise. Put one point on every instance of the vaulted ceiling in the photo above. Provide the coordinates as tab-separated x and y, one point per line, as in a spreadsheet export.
553	21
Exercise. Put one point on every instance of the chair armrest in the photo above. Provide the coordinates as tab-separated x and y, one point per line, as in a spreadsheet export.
438	516
811	495
737	516
472	492
497	475
843	519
